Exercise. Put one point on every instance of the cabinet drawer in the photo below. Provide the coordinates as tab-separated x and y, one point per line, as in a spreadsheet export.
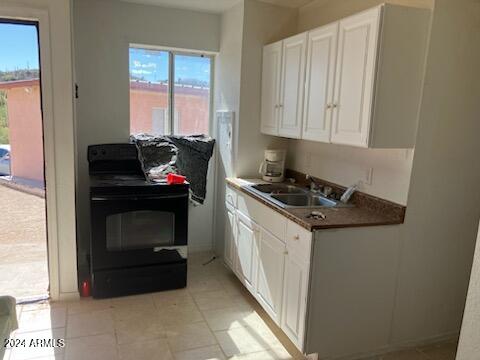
299	240
230	196
263	215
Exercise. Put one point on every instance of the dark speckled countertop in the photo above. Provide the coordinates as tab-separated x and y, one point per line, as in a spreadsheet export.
367	210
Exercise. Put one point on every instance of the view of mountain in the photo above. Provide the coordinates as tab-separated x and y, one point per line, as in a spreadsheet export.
19	74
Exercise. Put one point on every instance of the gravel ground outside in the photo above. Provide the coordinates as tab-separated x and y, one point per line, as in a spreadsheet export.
23	244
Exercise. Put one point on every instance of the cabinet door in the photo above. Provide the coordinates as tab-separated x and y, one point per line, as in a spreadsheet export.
230	235
355	77
295	290
246	251
319	83
292	88
270	274
271	74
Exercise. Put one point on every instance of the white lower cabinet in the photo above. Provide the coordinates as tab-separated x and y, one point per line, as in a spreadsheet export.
230	231
246	251
278	278
295	292
271	251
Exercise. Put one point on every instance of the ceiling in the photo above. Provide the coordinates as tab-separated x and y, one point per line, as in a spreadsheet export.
214	6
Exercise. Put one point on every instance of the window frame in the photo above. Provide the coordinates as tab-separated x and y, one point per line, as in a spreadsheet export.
171	81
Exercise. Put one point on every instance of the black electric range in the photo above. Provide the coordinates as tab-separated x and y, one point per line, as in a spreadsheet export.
139	228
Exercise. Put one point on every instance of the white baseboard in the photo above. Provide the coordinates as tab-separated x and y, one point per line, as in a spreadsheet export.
399	347
67	296
199	248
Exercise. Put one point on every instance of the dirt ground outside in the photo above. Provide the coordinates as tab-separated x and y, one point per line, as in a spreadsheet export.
23	244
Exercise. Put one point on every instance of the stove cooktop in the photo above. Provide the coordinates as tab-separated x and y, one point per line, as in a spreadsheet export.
132	184
118	180
116	169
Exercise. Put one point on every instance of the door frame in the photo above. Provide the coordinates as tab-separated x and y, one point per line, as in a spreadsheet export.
58	135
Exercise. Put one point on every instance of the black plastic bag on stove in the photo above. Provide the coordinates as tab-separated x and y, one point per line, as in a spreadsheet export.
186	155
194	153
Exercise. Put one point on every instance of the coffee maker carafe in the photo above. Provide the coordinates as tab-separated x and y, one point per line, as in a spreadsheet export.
272	167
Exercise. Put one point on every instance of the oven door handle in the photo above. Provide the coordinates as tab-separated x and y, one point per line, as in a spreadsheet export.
137	197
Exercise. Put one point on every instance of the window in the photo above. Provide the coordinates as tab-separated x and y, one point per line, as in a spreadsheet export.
169	92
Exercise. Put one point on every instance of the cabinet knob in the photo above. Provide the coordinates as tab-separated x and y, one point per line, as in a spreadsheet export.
329	106
296	237
285	252
280	105
335	105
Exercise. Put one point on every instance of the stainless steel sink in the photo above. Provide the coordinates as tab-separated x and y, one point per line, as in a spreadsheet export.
293	200
278	189
323	201
286	196
304	200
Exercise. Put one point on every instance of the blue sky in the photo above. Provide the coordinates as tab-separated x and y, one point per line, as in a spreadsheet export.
153	66
18	47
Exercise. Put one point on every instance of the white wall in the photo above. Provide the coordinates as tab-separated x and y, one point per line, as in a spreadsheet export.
263	24
469	344
245	29
346	165
443	209
227	97
57	107
343	164
320	12
103	31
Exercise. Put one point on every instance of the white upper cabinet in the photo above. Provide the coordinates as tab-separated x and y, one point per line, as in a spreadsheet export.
292	88
355	76
319	83
359	83
271	74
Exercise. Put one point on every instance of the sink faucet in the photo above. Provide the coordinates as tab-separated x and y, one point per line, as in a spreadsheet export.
314	186
348	193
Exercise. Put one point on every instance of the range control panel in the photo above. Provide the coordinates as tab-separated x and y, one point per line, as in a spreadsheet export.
112	152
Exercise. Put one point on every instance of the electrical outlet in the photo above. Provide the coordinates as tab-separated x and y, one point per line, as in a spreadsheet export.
369	176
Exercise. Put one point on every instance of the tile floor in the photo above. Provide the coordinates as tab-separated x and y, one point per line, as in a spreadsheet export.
23	244
213	318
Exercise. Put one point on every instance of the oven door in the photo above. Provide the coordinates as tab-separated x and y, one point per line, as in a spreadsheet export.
138	230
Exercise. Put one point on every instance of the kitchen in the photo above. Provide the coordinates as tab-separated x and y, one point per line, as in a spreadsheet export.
358	95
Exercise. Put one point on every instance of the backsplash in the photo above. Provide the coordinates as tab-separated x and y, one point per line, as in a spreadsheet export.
381	172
